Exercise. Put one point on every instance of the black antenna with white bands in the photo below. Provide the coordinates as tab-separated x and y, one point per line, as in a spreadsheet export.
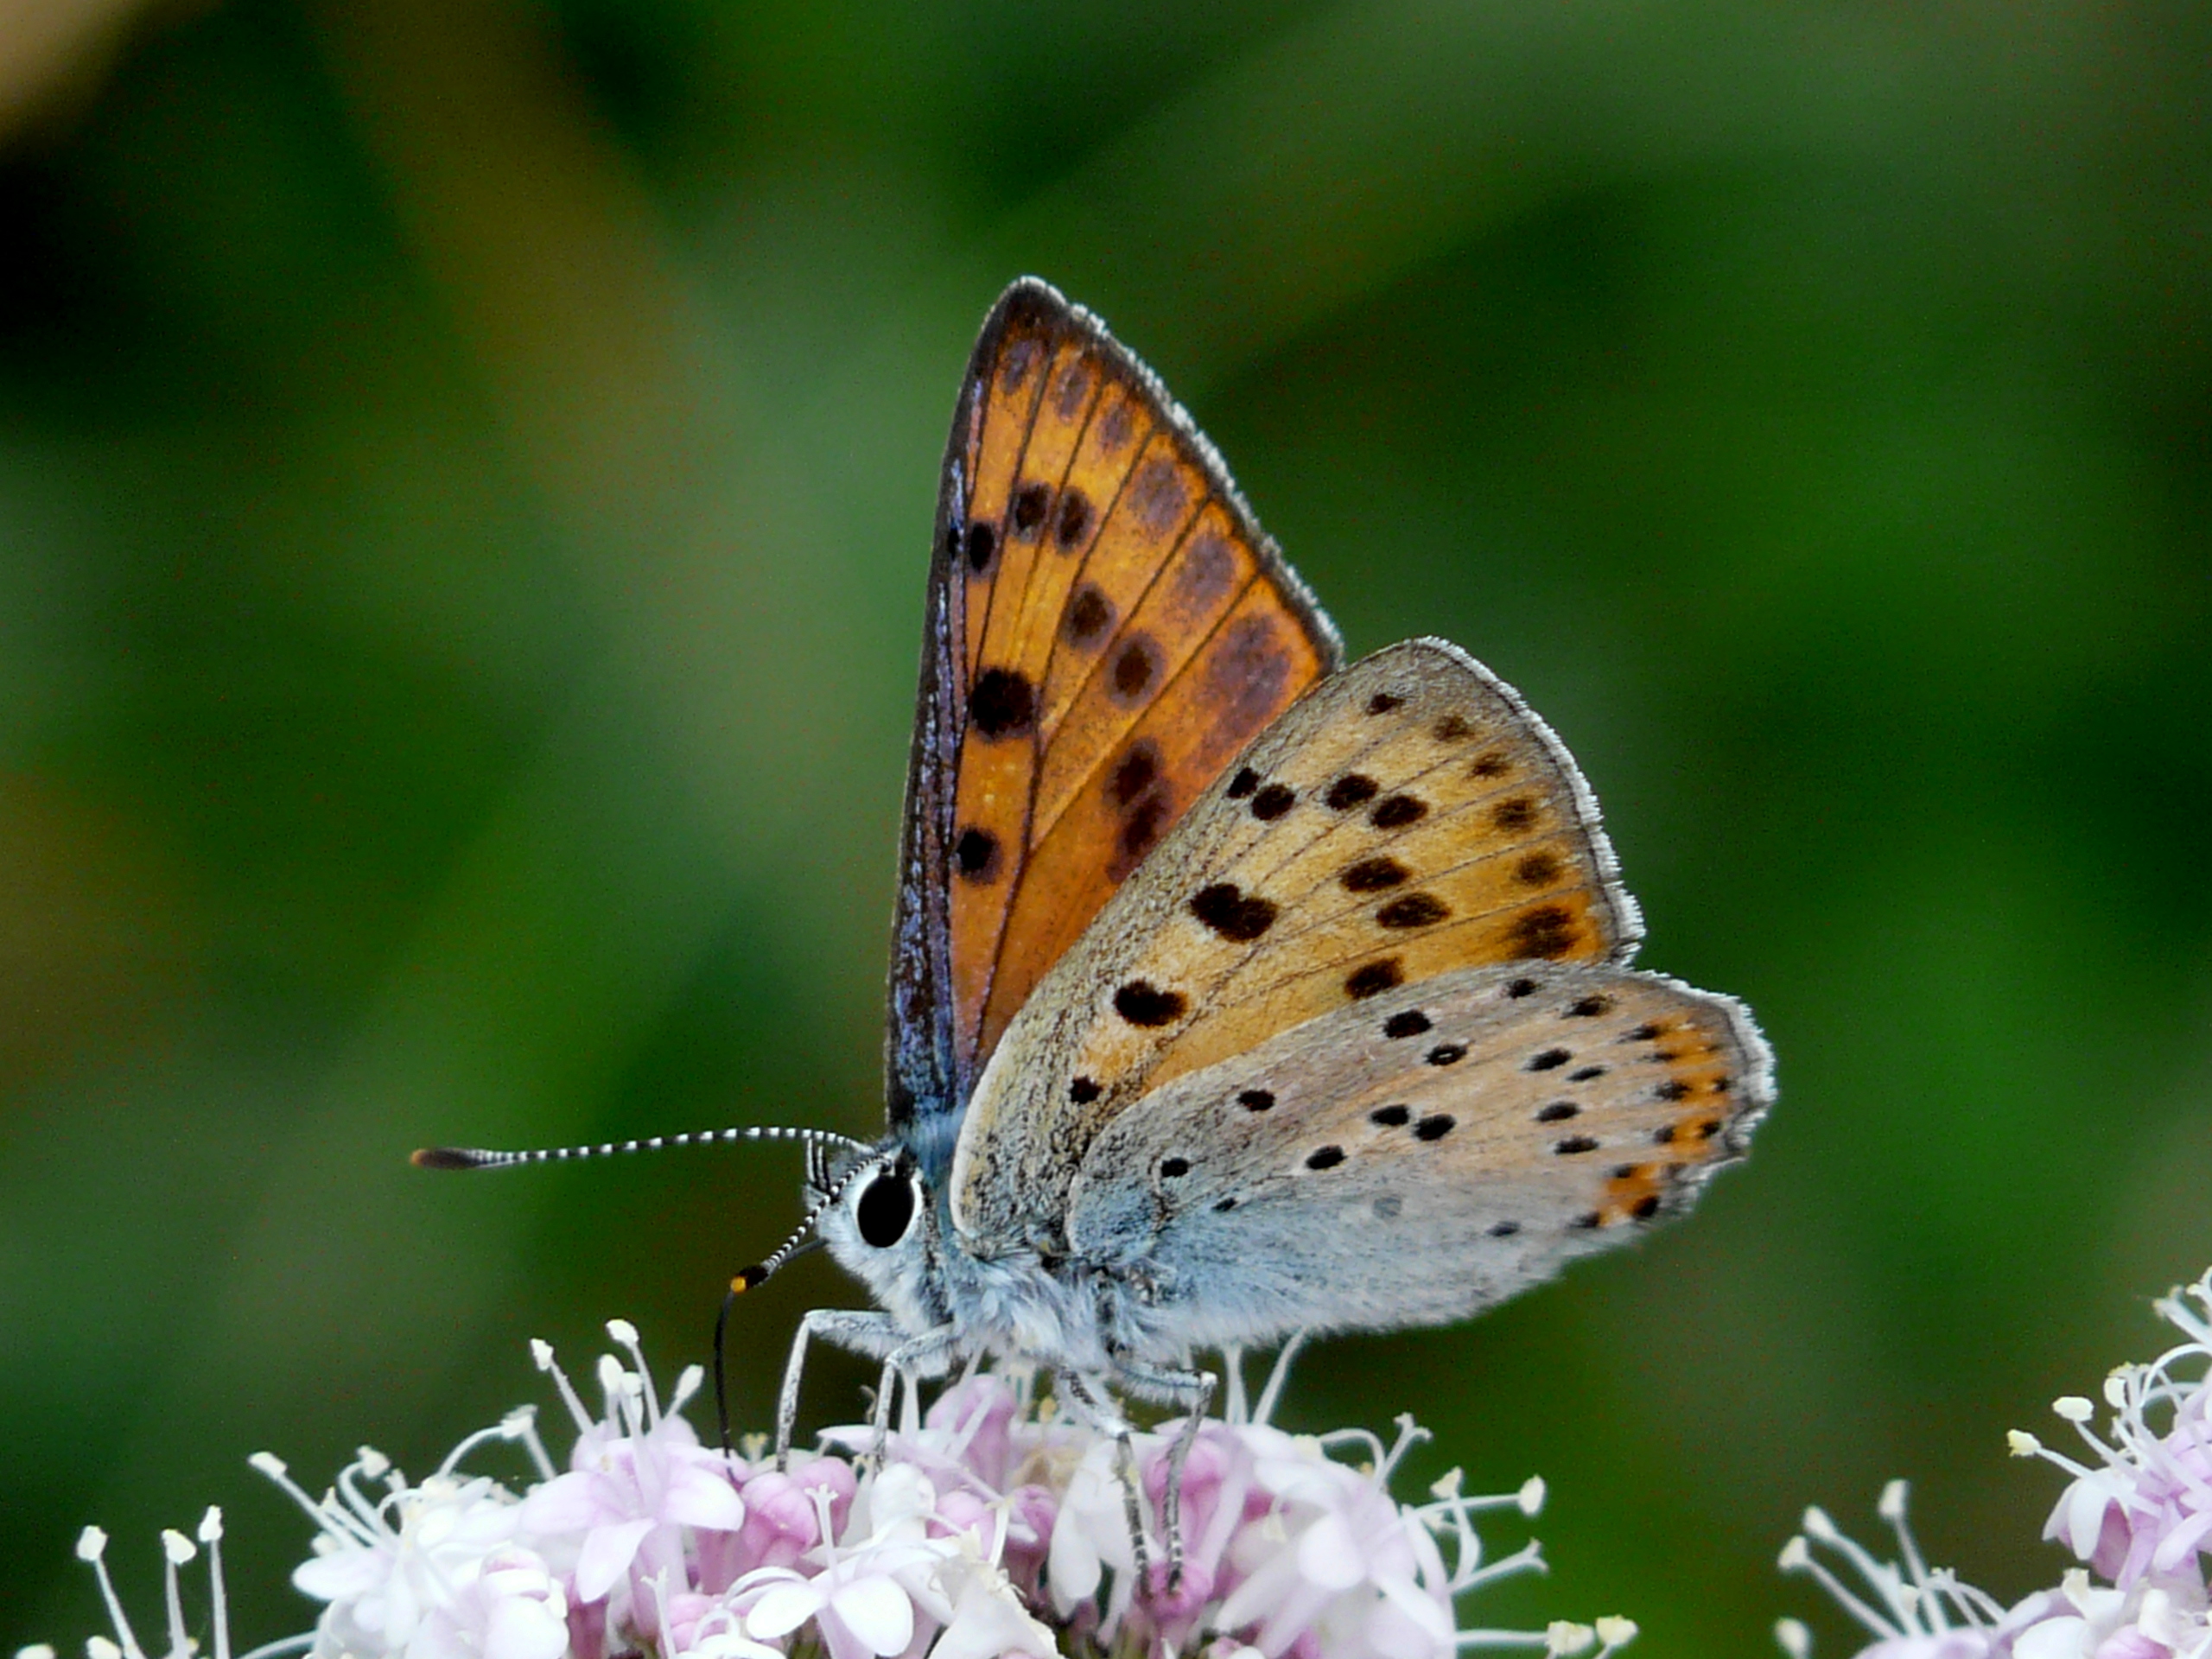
819	1143
485	1158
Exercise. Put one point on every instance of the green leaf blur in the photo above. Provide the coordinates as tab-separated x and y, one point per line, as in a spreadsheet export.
465	473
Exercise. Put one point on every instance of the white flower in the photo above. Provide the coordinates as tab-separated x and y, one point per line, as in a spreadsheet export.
401	1570
1916	1612
177	1551
513	1609
1090	1534
861	1598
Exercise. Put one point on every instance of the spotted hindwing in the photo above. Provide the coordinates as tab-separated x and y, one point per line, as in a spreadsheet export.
1107	628
1409	818
1423	1154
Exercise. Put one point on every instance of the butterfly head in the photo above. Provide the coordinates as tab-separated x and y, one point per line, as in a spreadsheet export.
878	1216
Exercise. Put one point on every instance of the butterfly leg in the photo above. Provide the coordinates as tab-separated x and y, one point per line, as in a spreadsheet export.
1195	1389
870	1334
1264	1412
1089	1405
899	1364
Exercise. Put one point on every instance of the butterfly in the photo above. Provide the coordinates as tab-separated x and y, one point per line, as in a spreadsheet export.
1235	993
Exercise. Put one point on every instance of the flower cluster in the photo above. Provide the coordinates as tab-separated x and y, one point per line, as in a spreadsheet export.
988	1527
2137	1512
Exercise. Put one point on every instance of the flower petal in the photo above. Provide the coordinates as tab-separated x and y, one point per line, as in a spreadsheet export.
782	1611
607	1555
877	1612
2054	1638
701	1495
1329	1556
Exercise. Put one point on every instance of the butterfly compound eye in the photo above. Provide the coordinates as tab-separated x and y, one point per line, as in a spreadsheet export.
885	1209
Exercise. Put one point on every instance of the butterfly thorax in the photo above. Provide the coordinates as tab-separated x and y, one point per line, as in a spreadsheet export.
1034	1302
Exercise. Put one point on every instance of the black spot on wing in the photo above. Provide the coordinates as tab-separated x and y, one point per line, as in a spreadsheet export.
1373	978
1003	704
1537	870
1233	914
1546	931
1136	667
1027	515
1396	811
983	547
1548	1059
1391	1118
1088	616
1082	1090
1325	1158
1256	1100
1134	772
1411	1023
975	854
1074	519
1141	827
1374	875
1141	1003
1273	801
1351	790
1244	783
1415	910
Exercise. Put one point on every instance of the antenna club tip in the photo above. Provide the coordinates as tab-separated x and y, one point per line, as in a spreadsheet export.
746	1281
440	1158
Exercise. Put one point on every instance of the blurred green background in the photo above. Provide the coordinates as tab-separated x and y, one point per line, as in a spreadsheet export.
465	473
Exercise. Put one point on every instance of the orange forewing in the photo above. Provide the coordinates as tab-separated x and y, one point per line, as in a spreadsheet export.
1125	630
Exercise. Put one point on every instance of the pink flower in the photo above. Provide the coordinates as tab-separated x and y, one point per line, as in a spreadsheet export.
987	1528
637	1479
782	1520
2139	1511
2142	1508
